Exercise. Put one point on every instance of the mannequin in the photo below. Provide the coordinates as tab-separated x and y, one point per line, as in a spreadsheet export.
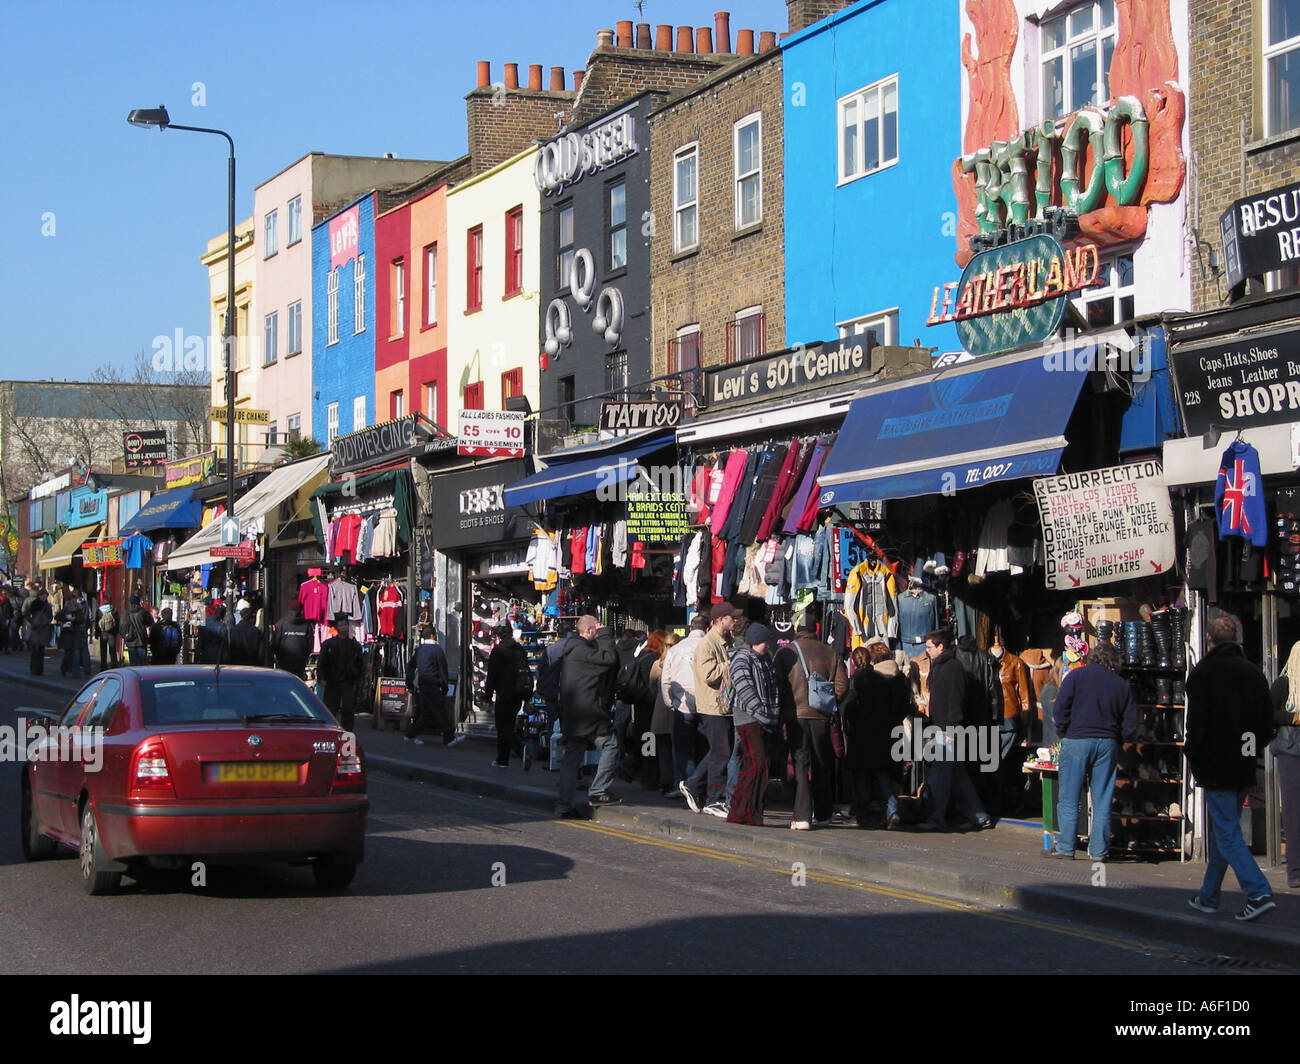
918	613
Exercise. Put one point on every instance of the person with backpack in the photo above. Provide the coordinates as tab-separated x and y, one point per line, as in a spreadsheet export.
291	642
135	633
755	707
509	681
812	681
165	639
426	679
106	630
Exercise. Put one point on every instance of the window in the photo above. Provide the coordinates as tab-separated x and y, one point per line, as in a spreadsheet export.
397	404
293	425
270	338
397	278
512	384
884	324
272	239
295	328
616	199
295	221
684	358
270	434
749	171
686	165
472	397
332	303
514	251
1076	48
869	129
1281	66
1111	299
565	394
241	337
616	374
358	413
359	295
564	241
431	400
431	284
474	269
746	335
331	423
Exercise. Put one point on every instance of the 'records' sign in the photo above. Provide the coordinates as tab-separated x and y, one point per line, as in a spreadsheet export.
1105	525
567	159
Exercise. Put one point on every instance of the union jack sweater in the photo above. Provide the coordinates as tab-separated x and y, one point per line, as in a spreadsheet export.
1239	495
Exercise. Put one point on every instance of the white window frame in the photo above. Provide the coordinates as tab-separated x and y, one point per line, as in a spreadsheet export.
1270	52
270	234
331	423
359	295
688	398
431	285
1109	290
399	283
682	207
358	413
431	401
754	175
332	305
271	441
564	253
294	316
400	395
294	221
616	229
886	334
1097	34
293	427
856	168
271	338
755	311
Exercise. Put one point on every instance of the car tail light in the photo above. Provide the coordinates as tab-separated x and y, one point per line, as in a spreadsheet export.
349	771
150	776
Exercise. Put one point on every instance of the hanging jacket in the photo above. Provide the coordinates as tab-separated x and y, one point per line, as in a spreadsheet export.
785	485
807	488
1239	495
870	602
731	478
1017	690
984	705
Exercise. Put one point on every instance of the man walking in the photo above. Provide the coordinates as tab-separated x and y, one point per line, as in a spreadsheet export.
165	639
291	642
947	710
712	656
75	618
508	682
426	679
340	668
247	643
549	671
677	682
1094	711
1229	722
590	669
135	633
39	615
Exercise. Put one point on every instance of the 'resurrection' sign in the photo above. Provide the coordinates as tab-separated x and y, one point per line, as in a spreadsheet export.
1014	295
1261	233
1105	525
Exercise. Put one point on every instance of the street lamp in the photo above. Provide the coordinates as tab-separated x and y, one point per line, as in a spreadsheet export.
146	118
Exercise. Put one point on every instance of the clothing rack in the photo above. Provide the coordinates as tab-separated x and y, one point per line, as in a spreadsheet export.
370	506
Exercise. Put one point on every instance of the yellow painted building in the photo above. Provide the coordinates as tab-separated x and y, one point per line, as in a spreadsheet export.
250	439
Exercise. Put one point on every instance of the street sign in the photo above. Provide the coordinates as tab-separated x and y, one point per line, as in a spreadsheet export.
242	553
243	416
229	531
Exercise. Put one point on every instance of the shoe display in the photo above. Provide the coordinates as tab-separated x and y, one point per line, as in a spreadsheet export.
1255	908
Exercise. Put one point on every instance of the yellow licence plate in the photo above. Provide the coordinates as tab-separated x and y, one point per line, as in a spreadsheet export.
253	772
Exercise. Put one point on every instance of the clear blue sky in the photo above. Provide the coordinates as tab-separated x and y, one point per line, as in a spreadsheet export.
133	209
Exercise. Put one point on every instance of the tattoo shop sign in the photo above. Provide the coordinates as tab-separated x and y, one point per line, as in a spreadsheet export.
1105	525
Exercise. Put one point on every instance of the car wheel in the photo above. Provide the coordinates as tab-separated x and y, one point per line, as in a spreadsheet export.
35	845
333	875
93	879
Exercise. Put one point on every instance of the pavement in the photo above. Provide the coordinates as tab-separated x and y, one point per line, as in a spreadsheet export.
1001	867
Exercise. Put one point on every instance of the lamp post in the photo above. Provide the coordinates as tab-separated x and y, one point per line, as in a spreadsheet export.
147	118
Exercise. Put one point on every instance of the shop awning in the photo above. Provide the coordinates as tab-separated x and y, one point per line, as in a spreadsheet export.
973	423
169	509
65	548
251	509
584	469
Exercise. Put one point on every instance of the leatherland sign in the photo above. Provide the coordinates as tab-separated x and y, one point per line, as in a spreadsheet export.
1014	295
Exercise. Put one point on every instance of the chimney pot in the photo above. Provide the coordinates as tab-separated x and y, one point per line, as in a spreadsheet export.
604	38
557	79
643	35
703	40
535	76
663	38
767	40
745	42
722	30
512	75
484	73
684	41
624	27
578	75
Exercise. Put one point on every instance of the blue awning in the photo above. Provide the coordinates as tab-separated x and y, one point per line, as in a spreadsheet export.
169	509
584	469
969	424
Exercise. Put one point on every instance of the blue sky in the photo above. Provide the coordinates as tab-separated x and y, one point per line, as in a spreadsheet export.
132	209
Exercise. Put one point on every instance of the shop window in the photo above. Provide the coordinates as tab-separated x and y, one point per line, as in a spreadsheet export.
295	328
565	394
271	236
270	338
1281	66
397	404
748	147
472	397
512	384
884	324
514	251
474	269
331	423
359	294
686	194
332	307
431	285
564	242
1111	299
616	379
1074	52
358	413
746	335
616	208
868	125
684	351
397	298
295	221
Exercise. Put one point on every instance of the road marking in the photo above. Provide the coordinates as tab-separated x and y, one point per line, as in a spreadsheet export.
897	893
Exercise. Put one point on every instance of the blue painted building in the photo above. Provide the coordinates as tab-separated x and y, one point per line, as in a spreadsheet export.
872	126
343	321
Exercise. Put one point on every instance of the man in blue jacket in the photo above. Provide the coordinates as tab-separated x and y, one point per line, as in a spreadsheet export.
1095	710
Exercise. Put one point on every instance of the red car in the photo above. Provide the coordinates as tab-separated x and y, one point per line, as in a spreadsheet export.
221	765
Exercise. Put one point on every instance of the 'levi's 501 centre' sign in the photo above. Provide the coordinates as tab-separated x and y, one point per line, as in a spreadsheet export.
799	369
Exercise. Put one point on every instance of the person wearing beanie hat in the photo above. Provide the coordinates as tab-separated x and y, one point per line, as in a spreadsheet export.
756	706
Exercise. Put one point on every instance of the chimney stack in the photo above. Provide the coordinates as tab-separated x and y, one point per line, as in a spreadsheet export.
663	38
744	42
578	75
703	40
684	39
624	39
557	79
643	36
604	38
484	73
722	31
766	41
535	77
512	75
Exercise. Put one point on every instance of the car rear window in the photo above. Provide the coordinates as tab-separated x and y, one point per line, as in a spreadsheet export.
228	698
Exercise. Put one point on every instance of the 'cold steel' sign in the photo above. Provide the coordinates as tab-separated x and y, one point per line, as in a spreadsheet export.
567	159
